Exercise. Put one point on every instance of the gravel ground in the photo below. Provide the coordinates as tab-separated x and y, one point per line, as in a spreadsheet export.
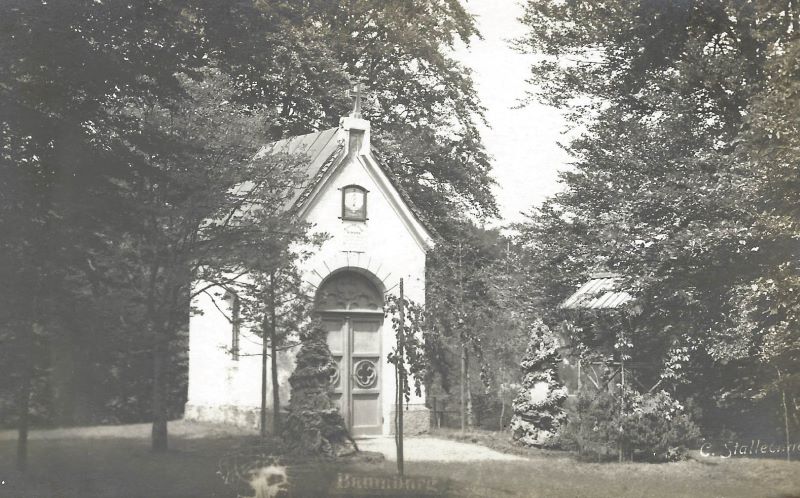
429	449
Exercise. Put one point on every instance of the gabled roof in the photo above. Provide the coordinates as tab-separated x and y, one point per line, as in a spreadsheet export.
600	292
325	151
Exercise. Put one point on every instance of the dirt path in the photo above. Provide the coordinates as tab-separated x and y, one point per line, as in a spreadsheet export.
429	449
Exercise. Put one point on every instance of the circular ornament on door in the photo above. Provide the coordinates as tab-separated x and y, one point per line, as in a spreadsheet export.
366	375
334	377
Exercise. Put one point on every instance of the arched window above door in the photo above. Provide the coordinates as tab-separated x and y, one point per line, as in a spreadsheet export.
348	291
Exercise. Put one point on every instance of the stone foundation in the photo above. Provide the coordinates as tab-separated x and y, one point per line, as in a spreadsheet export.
248	417
416	419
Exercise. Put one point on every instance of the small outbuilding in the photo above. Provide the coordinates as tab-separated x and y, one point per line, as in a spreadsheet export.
602	293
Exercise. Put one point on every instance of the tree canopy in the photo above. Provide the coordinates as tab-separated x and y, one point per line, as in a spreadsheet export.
680	182
125	124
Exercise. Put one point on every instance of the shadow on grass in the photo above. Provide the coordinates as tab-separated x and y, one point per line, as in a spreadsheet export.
220	467
125	467
253	469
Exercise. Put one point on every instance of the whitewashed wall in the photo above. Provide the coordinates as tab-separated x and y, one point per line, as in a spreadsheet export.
382	246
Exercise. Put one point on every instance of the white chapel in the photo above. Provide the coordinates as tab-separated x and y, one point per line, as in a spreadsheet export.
374	239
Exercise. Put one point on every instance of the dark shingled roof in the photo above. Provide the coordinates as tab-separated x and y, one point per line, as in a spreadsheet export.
322	149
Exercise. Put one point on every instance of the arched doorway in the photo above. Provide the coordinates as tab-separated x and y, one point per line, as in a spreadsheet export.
351	308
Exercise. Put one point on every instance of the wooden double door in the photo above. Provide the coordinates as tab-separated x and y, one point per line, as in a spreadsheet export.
355	343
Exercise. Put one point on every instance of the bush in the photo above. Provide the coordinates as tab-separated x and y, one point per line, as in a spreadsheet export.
314	425
538	407
649	427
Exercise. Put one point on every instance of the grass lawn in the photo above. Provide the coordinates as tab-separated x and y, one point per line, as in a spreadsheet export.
117	462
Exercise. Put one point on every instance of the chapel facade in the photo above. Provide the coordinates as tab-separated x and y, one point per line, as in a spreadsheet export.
374	238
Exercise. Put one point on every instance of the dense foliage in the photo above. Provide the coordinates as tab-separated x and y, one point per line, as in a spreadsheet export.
684	183
125	123
630	425
472	309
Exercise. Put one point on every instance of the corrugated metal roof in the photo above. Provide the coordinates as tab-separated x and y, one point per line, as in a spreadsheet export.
601	292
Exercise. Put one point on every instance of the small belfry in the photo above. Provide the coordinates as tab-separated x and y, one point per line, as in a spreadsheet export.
374	238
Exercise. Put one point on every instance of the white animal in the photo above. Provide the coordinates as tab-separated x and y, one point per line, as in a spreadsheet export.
269	482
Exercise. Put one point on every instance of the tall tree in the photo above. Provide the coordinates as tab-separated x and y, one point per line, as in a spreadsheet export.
465	303
66	70
762	323
272	296
421	102
191	208
656	193
96	108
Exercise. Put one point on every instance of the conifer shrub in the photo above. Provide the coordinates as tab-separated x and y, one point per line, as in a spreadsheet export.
314	425
314	430
538	407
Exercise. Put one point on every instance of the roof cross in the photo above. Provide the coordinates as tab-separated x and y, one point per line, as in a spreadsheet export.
356	93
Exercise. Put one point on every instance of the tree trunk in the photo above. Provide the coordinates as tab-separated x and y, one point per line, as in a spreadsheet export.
401	384
469	391
24	395
273	341
65	363
463	388
462	336
785	416
502	412
159	430
158	434
786	425
264	354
